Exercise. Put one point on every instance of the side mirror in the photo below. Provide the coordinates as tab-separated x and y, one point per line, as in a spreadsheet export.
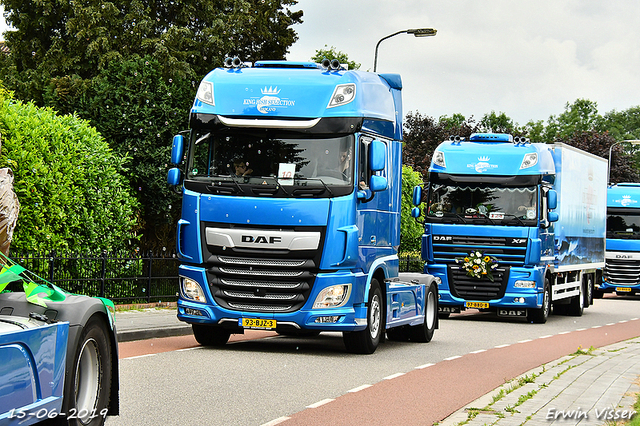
378	183
415	212
417	195
177	149
174	176
552	216
552	198
377	155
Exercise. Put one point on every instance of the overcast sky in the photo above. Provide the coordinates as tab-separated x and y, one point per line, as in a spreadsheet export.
526	58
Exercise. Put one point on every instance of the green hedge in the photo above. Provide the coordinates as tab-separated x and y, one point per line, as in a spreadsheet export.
72	189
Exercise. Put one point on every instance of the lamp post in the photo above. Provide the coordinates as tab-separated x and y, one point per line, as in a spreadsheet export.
417	32
629	141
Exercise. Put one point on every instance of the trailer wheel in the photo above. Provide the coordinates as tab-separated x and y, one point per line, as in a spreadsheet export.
367	340
86	395
540	316
208	335
424	332
576	305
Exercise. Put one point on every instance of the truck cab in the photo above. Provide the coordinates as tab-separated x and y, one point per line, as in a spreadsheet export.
291	205
622	269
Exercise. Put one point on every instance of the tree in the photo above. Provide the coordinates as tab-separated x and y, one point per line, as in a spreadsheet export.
581	116
70	184
410	230
331	53
623	125
498	123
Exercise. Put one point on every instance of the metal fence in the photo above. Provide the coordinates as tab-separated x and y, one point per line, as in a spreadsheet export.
124	277
121	277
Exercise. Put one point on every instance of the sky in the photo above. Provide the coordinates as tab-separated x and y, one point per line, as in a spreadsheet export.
525	58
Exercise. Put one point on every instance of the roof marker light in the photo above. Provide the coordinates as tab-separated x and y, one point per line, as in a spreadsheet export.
438	159
529	160
491	137
342	95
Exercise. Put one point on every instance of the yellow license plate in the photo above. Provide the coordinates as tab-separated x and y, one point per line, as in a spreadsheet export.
258	323
622	289
477	305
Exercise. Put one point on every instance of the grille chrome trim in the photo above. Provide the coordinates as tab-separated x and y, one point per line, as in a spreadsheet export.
259	308
260	262
263	284
263	272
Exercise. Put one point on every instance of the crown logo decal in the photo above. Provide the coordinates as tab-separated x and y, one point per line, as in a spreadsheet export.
483	158
628	197
270	90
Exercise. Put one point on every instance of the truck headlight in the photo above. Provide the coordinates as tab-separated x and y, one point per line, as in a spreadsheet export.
333	297
205	92
524	284
191	290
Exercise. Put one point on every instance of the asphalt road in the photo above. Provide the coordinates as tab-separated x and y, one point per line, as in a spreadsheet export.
172	381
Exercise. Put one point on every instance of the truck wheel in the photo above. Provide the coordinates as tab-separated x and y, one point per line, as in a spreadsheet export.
588	290
539	316
86	393
209	335
367	340
424	332
576	305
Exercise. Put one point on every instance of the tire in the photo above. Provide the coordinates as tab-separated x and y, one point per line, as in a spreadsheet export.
366	341
424	332
576	305
209	335
588	290
86	393
540	316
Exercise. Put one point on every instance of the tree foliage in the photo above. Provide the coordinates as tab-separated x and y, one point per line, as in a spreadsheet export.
410	230
70	184
332	53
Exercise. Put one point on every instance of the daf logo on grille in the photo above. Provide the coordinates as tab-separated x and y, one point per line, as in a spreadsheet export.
261	239
442	238
624	256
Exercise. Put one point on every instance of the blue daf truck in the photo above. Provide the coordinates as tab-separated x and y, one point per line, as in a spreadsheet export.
514	227
622	269
291	189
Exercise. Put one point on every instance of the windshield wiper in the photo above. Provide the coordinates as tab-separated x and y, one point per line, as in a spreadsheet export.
513	216
223	187
311	191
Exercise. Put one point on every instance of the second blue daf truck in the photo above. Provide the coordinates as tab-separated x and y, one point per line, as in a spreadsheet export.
514	227
290	222
622	269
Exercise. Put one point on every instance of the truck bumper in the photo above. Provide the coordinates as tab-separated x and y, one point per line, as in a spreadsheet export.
349	317
514	298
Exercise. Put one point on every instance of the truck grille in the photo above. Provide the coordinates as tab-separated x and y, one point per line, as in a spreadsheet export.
622	272
509	251
469	288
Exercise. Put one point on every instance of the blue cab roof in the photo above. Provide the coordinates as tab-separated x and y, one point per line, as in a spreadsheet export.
283	89
624	195
495	154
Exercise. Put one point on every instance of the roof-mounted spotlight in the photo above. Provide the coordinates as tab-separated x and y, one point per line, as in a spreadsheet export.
234	62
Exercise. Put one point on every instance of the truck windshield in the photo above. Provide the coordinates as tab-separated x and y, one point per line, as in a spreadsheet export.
623	225
482	204
290	165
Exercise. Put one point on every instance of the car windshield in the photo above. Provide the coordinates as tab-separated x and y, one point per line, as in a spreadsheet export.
623	226
486	204
289	163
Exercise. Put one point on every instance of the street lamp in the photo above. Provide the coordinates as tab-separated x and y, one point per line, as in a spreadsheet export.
629	141
417	32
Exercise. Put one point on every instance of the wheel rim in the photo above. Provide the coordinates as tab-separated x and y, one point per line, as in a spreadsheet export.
374	316
87	380
431	313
